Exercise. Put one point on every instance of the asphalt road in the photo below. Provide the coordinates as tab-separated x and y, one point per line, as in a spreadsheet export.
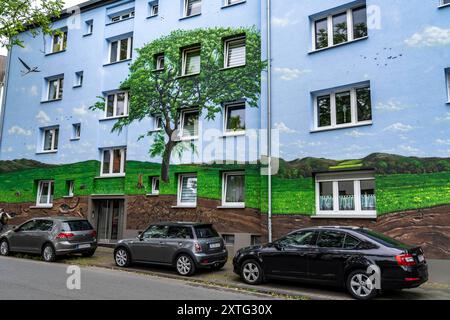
29	279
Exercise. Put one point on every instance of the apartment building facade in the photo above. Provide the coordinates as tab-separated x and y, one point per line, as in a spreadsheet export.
357	103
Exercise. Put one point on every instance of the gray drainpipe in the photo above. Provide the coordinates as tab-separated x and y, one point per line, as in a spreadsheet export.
269	121
5	92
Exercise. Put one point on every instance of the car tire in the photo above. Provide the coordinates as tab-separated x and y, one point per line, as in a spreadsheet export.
185	265
360	286
251	272
48	253
218	267
4	248
88	254
122	257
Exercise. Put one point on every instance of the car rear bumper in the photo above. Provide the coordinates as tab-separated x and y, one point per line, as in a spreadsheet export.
208	260
66	247
411	277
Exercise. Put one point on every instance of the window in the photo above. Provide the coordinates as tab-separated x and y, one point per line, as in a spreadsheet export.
180	233
235	118
70	186
340	27
154	185
28	226
228	239
255	240
231	2
117	105
89	27
55	88
235	52
45	193
155	232
343	108
76	131
350	242
187	190
346	194
159	61
59	41
445	2
120	50
191	61
78	79
189	124
330	239
43	225
154	8
50	139
113	162
122	16
233	189
301	238
157	123
192	7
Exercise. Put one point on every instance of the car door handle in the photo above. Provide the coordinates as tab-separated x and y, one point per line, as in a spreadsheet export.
162	242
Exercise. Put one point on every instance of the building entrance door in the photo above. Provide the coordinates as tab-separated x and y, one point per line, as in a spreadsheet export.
109	219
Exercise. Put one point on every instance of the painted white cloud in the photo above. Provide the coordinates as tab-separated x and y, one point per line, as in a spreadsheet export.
288	19
391	106
446	117
30	147
399	127
80	111
409	149
429	37
16	130
358	134
288	74
283	128
443	142
42	117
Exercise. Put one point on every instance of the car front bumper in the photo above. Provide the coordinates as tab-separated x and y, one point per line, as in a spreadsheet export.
209	260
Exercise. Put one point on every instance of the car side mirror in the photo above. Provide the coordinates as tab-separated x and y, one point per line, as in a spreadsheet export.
277	246
15	229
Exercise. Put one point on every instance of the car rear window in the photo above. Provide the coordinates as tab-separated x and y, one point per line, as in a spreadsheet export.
77	225
382	239
205	232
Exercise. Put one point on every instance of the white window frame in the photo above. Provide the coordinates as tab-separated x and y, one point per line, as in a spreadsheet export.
71	190
53	143
330	29
183	114
227	48
225	118
59	95
76	131
353	106
89	25
184	60
60	42
156	126
180	186
186	6
443	4
129	50
126	106
79	78
154	5
153	185
122	16
228	2
335	178
160	66
226	204
111	162
51	186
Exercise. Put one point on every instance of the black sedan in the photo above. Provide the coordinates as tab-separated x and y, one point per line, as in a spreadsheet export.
360	260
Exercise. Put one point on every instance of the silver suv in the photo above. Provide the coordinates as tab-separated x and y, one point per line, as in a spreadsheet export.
51	237
183	245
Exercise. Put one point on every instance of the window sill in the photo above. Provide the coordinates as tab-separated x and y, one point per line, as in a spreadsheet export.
446	5
193	138
338	45
49	206
352	125
114	22
112	118
232	206
68	197
77	86
185	207
188	75
87	34
234	134
111	176
75	139
116	62
47	152
345	216
48	101
234	4
152	194
233	67
191	16
152	16
56	52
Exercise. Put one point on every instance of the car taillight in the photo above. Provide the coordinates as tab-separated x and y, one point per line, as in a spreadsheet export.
405	260
198	247
65	235
94	233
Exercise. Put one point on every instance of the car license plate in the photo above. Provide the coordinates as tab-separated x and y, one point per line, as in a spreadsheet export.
421	258
84	246
214	245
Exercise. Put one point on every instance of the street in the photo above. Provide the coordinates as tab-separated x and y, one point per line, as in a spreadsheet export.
29	279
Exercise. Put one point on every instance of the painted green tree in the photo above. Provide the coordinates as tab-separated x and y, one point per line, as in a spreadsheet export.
185	70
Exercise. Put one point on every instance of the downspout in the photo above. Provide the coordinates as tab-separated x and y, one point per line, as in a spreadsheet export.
269	121
3	102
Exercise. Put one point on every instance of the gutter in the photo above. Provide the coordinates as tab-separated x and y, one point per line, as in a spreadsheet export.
269	121
5	93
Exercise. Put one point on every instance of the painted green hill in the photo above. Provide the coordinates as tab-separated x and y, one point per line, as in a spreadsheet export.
21	164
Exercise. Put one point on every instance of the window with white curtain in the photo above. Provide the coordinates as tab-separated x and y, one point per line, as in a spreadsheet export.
120	50
233	189
235	52
191	61
55	87
117	104
189	124
59	41
187	190
192	7
113	162
50	137
45	193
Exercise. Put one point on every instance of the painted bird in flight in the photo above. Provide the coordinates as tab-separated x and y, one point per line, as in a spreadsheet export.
29	70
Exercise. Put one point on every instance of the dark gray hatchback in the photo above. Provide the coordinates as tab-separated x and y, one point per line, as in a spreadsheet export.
51	237
183	245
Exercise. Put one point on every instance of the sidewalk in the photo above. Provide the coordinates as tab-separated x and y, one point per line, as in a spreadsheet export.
438	286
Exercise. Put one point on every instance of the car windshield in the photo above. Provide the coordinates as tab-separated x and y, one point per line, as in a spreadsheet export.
205	232
383	239
77	225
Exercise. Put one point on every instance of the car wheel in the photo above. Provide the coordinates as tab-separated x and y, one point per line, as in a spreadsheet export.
88	254
218	267
48	253
185	265
4	247
361	286
251	272
122	257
